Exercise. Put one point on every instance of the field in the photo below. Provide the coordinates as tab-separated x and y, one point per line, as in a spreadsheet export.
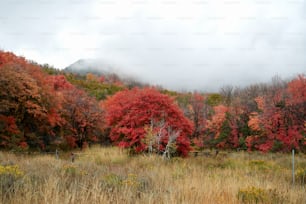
109	175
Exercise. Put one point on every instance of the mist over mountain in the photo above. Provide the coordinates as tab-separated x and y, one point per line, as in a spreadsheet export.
101	67
181	45
94	66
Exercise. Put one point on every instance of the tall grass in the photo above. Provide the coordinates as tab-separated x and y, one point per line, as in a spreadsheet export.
109	175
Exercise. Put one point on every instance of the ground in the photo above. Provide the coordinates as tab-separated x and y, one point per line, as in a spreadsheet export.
109	175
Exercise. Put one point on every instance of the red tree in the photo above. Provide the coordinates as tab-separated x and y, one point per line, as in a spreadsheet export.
197	112
222	128
279	123
130	112
84	117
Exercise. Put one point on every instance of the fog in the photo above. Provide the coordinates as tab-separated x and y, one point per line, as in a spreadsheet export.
181	45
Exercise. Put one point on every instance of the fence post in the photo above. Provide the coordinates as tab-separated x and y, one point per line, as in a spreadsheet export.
72	157
56	154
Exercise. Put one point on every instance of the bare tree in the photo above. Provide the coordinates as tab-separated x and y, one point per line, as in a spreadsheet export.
227	93
156	133
172	138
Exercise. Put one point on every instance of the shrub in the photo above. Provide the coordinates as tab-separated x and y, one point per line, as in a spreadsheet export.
259	195
131	181
9	175
300	176
260	165
69	170
73	171
112	181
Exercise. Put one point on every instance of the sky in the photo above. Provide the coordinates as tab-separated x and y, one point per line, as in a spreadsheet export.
181	45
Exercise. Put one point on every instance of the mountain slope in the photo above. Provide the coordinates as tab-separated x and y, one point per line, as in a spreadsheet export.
110	71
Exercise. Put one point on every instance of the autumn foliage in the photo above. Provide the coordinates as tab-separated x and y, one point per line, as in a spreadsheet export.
129	113
38	110
42	108
279	124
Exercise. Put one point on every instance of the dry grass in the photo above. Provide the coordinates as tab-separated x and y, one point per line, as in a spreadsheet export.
108	175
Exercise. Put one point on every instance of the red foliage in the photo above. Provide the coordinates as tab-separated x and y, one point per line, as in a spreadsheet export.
59	82
71	141
234	135
297	90
23	145
280	125
8	129
254	122
9	124
8	57
197	113
83	116
130	111
102	79
54	118
217	120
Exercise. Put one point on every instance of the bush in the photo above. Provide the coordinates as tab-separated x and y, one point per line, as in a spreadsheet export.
70	170
132	181
300	176
260	165
258	195
112	181
9	175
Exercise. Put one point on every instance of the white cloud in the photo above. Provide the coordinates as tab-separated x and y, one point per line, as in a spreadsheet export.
180	44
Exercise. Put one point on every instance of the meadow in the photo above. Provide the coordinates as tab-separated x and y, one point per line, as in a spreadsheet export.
110	175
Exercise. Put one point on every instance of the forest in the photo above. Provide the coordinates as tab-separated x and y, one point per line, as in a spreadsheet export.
43	109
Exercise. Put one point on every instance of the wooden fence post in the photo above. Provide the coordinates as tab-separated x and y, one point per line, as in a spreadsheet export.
56	154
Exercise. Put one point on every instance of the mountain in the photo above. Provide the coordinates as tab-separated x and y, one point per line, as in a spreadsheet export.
101	67
94	66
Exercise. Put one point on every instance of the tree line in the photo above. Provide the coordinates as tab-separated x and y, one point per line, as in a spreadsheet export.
42	108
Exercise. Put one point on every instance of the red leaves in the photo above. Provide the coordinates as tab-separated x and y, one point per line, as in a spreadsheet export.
280	125
129	111
297	90
197	113
9	122
23	145
260	102
217	120
71	140
254	122
8	57
82	114
60	83
54	118
36	108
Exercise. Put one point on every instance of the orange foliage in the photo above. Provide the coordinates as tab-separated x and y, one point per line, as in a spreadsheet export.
254	122
217	120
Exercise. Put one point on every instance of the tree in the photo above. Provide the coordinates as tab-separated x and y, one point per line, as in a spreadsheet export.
9	133
84	118
197	113
227	94
131	112
22	99
279	123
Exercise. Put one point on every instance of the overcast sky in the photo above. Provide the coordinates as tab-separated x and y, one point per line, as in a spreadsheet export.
183	45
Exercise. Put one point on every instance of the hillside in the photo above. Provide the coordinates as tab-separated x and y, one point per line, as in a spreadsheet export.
110	72
94	66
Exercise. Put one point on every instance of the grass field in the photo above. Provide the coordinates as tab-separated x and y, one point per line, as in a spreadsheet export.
109	175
